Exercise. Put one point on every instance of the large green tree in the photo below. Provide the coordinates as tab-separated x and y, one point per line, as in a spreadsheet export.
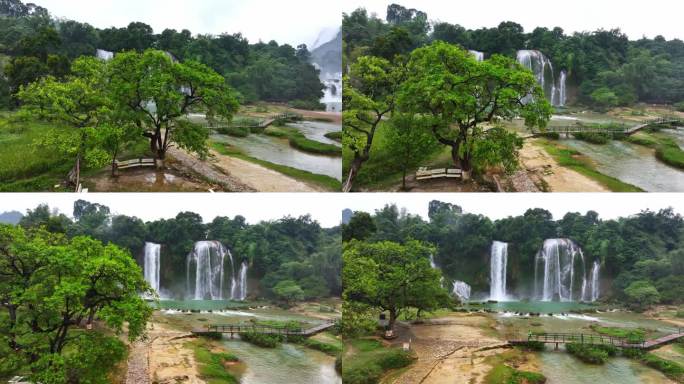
392	277
369	96
53	289
156	93
462	95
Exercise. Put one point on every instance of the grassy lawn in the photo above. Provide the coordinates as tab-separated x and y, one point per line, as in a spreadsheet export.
633	335
571	158
503	373
667	150
299	141
324	181
26	167
213	366
23	165
368	360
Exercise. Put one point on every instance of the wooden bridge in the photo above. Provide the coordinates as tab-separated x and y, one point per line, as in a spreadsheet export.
593	339
623	129
233	329
288	116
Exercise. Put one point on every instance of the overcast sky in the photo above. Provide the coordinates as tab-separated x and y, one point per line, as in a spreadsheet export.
635	18
326	208
501	205
293	22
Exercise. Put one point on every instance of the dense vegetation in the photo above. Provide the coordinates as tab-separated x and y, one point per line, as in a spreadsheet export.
287	255
604	67
33	45
61	300
641	255
417	94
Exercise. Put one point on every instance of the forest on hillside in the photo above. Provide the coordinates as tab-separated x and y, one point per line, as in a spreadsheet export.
641	256
604	66
292	249
33	44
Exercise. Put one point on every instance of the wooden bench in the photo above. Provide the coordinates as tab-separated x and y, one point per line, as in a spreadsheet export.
424	173
134	163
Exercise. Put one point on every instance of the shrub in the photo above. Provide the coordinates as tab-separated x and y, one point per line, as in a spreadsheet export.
679	106
592	354
261	340
533	345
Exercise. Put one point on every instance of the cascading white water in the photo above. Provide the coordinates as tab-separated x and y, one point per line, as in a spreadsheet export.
432	262
462	290
497	272
557	260
242	282
104	55
479	56
209	258
543	70
595	289
561	88
152	264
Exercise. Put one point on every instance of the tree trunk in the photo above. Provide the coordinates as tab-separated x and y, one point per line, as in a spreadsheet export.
392	319
353	172
403	179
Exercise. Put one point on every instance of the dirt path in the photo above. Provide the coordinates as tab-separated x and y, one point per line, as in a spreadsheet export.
450	351
558	179
162	359
259	178
207	170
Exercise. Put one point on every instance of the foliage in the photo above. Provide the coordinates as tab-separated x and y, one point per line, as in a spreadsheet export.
634	336
53	287
391	277
671	369
211	365
460	94
288	291
261	339
592	354
409	142
370	360
642	294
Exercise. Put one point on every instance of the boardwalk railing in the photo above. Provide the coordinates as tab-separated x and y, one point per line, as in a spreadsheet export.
623	129
287	116
594	339
264	329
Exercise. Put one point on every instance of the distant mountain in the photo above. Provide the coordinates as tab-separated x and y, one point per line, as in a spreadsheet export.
328	56
11	217
346	215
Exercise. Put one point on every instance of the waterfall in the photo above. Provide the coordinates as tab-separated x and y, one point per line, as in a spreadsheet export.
152	264
104	55
543	70
242	282
595	289
497	272
462	290
209	261
561	88
432	262
479	56
558	260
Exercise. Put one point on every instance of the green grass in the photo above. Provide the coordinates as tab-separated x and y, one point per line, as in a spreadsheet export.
334	135
591	354
299	141
667	150
569	158
502	373
211	365
323	181
673	156
330	346
234	131
671	369
371	360
633	335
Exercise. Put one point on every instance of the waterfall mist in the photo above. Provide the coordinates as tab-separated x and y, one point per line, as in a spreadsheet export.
462	290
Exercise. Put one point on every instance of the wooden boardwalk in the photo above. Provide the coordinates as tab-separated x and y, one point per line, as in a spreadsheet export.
233	329
570	129
593	339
